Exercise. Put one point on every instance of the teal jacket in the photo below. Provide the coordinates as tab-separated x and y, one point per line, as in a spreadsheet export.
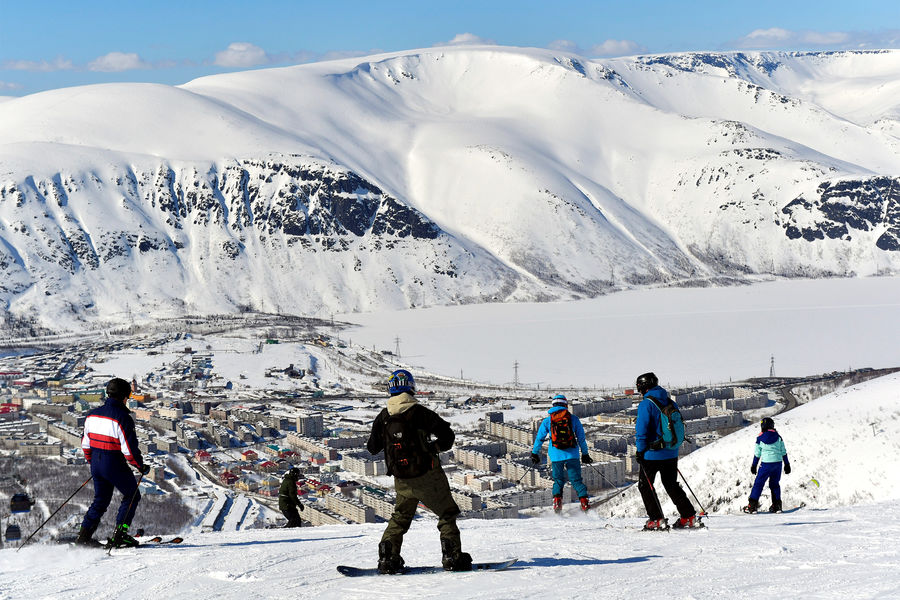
769	448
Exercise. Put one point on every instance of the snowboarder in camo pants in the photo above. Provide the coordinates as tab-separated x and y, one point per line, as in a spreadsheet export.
770	451
403	430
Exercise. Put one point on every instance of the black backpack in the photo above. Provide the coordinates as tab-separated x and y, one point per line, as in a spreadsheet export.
404	447
561	433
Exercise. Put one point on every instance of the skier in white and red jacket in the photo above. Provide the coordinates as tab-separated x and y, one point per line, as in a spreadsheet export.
110	445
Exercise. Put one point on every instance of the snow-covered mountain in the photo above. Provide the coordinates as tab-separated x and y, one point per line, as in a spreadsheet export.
447	176
842	544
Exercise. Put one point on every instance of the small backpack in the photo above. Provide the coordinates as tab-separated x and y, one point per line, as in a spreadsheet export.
404	448
561	433
671	426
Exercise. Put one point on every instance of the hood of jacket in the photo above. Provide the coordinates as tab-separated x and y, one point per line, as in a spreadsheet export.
400	403
769	436
556	409
660	394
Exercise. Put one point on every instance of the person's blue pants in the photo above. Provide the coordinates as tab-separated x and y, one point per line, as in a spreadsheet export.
572	467
111	472
770	472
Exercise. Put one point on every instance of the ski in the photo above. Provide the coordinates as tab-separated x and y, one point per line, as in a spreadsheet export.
154	541
365	572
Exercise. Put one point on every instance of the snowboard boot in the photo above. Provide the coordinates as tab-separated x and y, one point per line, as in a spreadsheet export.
776	506
687	522
121	538
453	558
557	504
389	562
585	503
752	506
656	525
86	537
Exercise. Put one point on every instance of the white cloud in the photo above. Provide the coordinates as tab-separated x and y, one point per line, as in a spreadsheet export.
8	85
607	48
776	38
57	64
115	62
464	39
616	48
242	54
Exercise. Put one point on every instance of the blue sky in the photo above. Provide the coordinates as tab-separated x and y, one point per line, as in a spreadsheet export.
46	44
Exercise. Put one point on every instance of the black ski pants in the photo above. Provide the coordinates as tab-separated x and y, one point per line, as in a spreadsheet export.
668	474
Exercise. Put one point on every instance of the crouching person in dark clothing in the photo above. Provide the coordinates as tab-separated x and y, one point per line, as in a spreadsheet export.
288	502
403	431
110	445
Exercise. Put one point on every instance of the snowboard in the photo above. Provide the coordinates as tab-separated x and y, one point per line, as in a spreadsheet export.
365	572
766	512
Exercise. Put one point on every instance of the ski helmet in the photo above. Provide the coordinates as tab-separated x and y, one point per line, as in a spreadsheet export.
560	400
767	423
401	381
294	473
646	382
118	389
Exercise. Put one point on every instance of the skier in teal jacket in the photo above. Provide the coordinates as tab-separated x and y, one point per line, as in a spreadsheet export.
770	451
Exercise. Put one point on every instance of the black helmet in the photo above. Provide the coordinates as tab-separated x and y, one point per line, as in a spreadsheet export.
767	423
118	389
646	382
294	473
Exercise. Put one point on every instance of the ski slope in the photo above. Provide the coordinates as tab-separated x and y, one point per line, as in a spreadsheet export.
842	545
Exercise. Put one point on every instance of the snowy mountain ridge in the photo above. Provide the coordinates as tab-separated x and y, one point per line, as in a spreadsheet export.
447	176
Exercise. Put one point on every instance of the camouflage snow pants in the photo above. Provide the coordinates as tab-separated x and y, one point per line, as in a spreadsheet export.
431	489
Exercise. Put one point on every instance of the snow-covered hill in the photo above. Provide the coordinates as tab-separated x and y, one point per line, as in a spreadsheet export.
447	176
843	544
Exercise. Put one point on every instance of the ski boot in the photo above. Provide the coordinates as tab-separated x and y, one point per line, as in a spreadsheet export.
454	559
86	538
389	562
585	503
752	506
557	504
121	538
656	525
776	506
688	522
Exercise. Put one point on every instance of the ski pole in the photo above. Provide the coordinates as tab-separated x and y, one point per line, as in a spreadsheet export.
137	488
611	484
55	511
703	513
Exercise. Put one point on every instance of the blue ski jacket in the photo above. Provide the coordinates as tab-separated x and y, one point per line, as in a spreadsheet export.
558	454
647	427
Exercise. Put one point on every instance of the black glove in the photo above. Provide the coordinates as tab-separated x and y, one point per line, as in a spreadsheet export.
535	459
144	469
300	505
753	468
787	468
586	459
639	456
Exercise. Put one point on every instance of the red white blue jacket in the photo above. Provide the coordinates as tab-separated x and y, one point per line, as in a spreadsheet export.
110	428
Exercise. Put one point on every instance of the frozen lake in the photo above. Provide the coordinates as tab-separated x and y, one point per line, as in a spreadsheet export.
687	336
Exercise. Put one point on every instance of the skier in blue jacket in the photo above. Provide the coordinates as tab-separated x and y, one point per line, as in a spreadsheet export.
647	430
769	450
563	450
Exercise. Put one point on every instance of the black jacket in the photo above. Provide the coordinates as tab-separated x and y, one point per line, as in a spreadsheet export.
425	421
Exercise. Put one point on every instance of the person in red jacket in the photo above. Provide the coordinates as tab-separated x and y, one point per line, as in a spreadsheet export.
110	445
